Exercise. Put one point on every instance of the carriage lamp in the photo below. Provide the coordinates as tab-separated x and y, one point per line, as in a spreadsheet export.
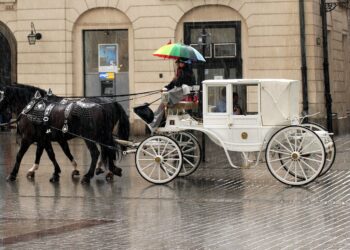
33	36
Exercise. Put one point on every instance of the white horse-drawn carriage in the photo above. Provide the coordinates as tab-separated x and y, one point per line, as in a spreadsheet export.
269	123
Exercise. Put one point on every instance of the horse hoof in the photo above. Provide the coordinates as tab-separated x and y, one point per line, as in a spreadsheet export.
117	171
55	179
31	175
11	178
99	171
75	173
85	180
109	177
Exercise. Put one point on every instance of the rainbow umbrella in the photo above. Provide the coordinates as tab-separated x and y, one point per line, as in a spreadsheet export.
179	50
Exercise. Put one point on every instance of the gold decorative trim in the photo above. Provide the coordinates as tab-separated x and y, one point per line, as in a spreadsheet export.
244	135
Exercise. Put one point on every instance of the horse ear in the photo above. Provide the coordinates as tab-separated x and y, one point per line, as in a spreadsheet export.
37	95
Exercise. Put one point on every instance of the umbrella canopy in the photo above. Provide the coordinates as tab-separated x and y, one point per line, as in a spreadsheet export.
179	50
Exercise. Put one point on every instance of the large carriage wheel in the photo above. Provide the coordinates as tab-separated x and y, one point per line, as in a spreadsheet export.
331	152
295	155
191	151
158	159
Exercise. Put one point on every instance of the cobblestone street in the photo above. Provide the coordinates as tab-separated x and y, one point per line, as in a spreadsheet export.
215	208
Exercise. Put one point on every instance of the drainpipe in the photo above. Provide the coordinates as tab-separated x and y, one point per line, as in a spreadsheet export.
327	91
303	58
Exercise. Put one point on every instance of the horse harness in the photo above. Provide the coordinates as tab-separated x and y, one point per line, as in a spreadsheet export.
39	112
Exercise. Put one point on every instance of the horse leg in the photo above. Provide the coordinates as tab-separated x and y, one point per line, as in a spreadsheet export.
102	161
56	175
25	144
94	157
111	157
65	147
38	154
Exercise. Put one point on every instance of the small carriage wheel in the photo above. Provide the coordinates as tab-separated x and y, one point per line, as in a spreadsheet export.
158	159
330	157
191	151
295	155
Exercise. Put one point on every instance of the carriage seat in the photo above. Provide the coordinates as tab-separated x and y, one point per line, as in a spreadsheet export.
184	105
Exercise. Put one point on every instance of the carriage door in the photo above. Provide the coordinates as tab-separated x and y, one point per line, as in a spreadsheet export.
106	63
220	42
244	115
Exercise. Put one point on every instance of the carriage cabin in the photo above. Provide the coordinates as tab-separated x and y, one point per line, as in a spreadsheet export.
243	111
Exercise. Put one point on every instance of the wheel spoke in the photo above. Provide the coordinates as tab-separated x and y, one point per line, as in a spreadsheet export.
165	147
189	162
312	152
284	164
280	152
283	146
288	170
172	159
310	159
158	146
170	152
279	159
308	165
170	166
301	143
302	170
188	150
192	156
148	166
155	166
309	144
287	138
165	170
145	151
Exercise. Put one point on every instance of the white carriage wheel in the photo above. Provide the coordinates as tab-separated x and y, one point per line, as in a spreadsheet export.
330	157
191	151
295	152
158	159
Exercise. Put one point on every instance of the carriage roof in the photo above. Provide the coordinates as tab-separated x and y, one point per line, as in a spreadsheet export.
279	98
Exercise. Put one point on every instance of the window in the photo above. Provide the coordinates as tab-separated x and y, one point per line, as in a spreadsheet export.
222	48
245	99
217	99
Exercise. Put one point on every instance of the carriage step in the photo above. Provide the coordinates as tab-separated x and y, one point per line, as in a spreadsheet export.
130	151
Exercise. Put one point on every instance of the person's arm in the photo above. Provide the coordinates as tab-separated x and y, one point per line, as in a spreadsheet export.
171	85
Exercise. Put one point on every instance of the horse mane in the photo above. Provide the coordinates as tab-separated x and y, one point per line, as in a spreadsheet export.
18	96
30	88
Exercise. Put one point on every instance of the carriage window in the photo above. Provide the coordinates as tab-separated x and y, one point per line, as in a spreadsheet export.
217	99
245	99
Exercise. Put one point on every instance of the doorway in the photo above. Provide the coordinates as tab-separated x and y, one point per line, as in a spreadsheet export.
5	60
106	63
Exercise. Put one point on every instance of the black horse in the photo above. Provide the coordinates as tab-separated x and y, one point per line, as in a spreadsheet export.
17	96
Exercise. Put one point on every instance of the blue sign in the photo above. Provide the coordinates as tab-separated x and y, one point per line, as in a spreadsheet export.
106	75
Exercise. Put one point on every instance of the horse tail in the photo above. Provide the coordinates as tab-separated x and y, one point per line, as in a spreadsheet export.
124	124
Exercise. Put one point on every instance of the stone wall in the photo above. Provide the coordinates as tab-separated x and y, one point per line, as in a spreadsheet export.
270	41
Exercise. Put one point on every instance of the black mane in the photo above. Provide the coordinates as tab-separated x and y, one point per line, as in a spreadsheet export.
17	96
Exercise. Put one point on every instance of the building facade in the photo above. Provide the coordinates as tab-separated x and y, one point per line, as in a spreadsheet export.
259	39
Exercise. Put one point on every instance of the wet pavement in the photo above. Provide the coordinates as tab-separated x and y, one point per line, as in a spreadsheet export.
217	207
